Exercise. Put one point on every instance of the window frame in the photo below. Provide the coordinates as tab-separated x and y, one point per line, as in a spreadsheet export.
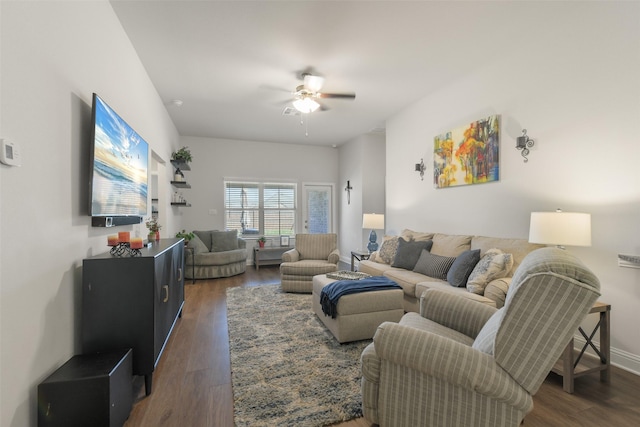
261	210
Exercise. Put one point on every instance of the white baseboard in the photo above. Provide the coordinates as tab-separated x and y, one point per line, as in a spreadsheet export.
622	359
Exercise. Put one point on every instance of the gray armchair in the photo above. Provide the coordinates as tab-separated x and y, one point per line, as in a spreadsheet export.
313	254
464	363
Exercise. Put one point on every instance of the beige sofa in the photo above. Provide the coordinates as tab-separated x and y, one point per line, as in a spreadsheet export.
414	283
215	254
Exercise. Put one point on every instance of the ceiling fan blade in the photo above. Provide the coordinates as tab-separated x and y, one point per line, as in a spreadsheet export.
336	95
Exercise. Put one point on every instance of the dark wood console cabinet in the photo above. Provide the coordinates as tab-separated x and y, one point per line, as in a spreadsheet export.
133	302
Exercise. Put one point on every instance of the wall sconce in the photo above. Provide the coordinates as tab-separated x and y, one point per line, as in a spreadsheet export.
524	143
420	167
348	189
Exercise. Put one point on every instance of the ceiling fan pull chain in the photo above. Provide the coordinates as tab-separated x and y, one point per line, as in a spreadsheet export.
306	129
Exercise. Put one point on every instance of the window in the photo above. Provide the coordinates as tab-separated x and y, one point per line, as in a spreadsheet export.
256	208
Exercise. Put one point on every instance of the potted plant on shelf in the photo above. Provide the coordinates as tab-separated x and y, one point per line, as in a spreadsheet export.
262	241
186	236
183	155
154	229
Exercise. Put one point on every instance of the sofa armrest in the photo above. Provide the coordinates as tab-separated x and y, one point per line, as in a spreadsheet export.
292	255
334	257
497	290
432	355
454	311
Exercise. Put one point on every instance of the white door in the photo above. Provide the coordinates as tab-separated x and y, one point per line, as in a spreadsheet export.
317	208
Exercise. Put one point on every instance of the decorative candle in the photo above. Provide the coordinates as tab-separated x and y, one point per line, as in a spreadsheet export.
136	243
123	236
112	240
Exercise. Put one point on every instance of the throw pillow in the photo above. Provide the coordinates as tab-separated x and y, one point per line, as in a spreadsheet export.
388	249
198	246
409	252
222	241
432	265
462	267
493	265
205	237
486	339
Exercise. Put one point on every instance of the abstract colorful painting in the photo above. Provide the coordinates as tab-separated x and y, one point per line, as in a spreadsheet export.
468	155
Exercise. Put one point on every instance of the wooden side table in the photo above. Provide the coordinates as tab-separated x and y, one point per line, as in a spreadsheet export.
574	363
359	255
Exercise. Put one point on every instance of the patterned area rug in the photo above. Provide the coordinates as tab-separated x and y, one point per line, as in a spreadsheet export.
286	368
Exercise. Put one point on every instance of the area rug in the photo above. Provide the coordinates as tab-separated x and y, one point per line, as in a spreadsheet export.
286	368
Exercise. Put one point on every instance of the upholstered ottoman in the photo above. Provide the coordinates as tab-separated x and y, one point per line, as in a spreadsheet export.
359	315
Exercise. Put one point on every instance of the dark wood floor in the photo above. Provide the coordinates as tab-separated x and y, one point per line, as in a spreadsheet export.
192	382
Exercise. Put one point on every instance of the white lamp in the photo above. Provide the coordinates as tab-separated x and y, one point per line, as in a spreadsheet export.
560	228
374	222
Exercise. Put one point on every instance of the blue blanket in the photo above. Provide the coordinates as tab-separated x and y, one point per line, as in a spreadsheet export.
333	291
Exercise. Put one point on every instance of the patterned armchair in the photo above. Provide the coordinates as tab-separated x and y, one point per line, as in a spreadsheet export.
464	363
314	254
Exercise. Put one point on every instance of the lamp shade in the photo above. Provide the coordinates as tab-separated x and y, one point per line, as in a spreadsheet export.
306	105
560	228
373	221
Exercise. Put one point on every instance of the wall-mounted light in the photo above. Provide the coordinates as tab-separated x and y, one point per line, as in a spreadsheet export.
348	189
524	143
420	167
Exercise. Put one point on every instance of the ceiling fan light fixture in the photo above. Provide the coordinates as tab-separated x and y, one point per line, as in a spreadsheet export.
313	83
306	105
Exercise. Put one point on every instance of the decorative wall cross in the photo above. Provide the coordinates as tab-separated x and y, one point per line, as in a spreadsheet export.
348	189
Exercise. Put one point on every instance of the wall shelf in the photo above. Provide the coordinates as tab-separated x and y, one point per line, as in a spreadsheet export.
183	204
181	165
180	184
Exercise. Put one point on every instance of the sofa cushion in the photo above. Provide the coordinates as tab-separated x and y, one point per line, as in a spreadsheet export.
205	237
495	264
462	267
388	249
222	241
416	235
407	279
316	246
422	287
435	266
373	268
197	245
221	258
409	252
450	245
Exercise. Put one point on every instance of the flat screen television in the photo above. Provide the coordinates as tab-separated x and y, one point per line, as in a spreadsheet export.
118	169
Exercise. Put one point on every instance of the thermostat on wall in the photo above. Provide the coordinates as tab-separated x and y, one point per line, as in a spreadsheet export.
10	153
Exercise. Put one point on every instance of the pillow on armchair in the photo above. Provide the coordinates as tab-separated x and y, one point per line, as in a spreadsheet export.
197	245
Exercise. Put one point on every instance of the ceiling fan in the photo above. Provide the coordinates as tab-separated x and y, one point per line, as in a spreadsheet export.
307	94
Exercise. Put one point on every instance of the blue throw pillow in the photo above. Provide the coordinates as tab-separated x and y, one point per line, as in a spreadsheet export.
409	252
462	267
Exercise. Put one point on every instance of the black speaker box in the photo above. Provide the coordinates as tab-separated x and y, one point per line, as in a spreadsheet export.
112	221
88	390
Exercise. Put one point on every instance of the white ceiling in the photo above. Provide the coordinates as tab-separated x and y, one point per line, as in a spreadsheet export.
234	64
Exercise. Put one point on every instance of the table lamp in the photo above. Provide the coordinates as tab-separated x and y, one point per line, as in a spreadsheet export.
374	222
560	228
